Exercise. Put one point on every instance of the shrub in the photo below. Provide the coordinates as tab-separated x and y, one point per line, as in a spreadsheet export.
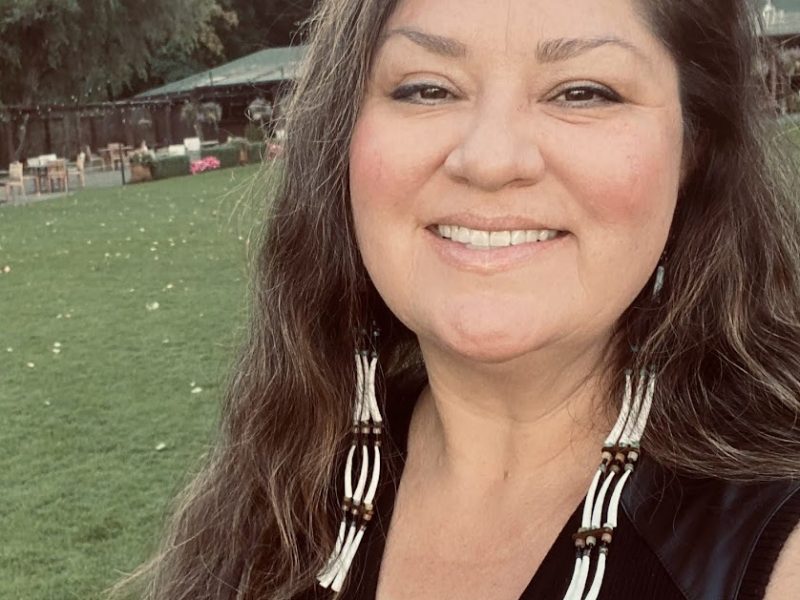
254	132
170	166
255	152
227	154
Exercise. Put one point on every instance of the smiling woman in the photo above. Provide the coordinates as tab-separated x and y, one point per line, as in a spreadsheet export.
560	240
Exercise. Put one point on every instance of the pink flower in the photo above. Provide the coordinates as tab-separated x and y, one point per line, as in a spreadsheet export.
204	164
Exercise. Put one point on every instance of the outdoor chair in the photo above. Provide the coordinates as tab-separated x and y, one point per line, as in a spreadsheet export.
116	155
79	170
16	180
92	160
57	173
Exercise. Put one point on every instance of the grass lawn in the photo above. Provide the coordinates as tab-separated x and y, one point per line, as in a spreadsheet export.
121	312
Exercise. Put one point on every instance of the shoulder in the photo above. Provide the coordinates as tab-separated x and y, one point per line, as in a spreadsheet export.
785	579
743	526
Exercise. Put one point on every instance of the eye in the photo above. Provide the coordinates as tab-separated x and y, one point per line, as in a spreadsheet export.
587	95
421	93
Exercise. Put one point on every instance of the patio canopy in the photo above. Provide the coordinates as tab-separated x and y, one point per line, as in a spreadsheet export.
264	66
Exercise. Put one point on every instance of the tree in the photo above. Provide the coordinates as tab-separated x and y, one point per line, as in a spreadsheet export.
76	51
263	24
89	50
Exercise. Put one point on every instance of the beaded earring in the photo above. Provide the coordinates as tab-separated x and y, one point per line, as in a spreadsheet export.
619	456
357	506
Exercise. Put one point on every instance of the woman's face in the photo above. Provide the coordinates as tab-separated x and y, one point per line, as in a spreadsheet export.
514	170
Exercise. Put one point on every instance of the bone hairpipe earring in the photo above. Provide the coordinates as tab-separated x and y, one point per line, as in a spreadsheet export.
357	505
618	459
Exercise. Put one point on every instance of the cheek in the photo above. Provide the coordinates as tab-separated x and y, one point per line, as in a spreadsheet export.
386	160
629	176
385	173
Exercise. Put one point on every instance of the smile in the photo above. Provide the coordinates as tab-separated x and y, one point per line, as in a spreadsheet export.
479	239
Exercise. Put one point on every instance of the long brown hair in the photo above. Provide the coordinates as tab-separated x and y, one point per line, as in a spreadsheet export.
258	521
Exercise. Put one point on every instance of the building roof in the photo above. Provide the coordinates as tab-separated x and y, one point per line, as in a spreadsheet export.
264	66
781	17
280	64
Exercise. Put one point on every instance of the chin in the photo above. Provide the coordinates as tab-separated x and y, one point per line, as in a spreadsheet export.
487	344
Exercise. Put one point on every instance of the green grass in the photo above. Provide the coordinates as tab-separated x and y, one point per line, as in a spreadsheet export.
94	378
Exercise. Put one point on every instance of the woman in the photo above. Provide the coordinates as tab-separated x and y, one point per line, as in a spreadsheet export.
554	213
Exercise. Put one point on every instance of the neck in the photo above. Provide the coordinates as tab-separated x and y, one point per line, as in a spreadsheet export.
535	421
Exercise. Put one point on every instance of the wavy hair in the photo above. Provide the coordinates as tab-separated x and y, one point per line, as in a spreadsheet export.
259	520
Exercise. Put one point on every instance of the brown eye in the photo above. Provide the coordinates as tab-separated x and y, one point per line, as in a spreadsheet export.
579	95
586	95
422	93
433	93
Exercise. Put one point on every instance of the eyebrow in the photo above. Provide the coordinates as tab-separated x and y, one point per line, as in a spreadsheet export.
547	51
555	50
436	44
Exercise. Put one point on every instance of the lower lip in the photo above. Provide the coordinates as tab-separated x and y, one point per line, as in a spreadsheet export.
490	260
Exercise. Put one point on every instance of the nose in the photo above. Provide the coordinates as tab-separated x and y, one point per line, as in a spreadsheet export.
499	148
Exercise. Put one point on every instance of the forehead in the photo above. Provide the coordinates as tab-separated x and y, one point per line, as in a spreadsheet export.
519	26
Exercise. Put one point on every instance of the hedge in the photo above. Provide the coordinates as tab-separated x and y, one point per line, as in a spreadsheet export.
170	166
226	154
256	152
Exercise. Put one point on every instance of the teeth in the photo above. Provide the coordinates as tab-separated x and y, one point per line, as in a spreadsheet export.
481	239
500	239
518	237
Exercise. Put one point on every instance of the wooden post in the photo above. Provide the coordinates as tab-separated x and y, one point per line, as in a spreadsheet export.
48	141
66	137
93	133
168	114
9	135
154	116
79	131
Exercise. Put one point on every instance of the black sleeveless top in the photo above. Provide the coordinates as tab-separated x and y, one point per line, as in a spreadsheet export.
677	538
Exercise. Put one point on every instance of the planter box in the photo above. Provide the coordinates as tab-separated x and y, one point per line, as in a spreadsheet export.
140	172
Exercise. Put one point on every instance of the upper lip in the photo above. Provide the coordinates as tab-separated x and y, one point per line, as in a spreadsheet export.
495	223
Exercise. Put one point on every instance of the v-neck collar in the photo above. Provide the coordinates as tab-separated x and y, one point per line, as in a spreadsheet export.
558	561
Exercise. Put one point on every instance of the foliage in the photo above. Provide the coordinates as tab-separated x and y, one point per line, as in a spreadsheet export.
89	50
264	23
165	167
228	154
259	110
84	484
254	132
143	157
239	142
197	114
256	151
238	28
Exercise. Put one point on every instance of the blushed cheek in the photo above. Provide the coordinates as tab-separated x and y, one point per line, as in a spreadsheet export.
633	181
366	160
